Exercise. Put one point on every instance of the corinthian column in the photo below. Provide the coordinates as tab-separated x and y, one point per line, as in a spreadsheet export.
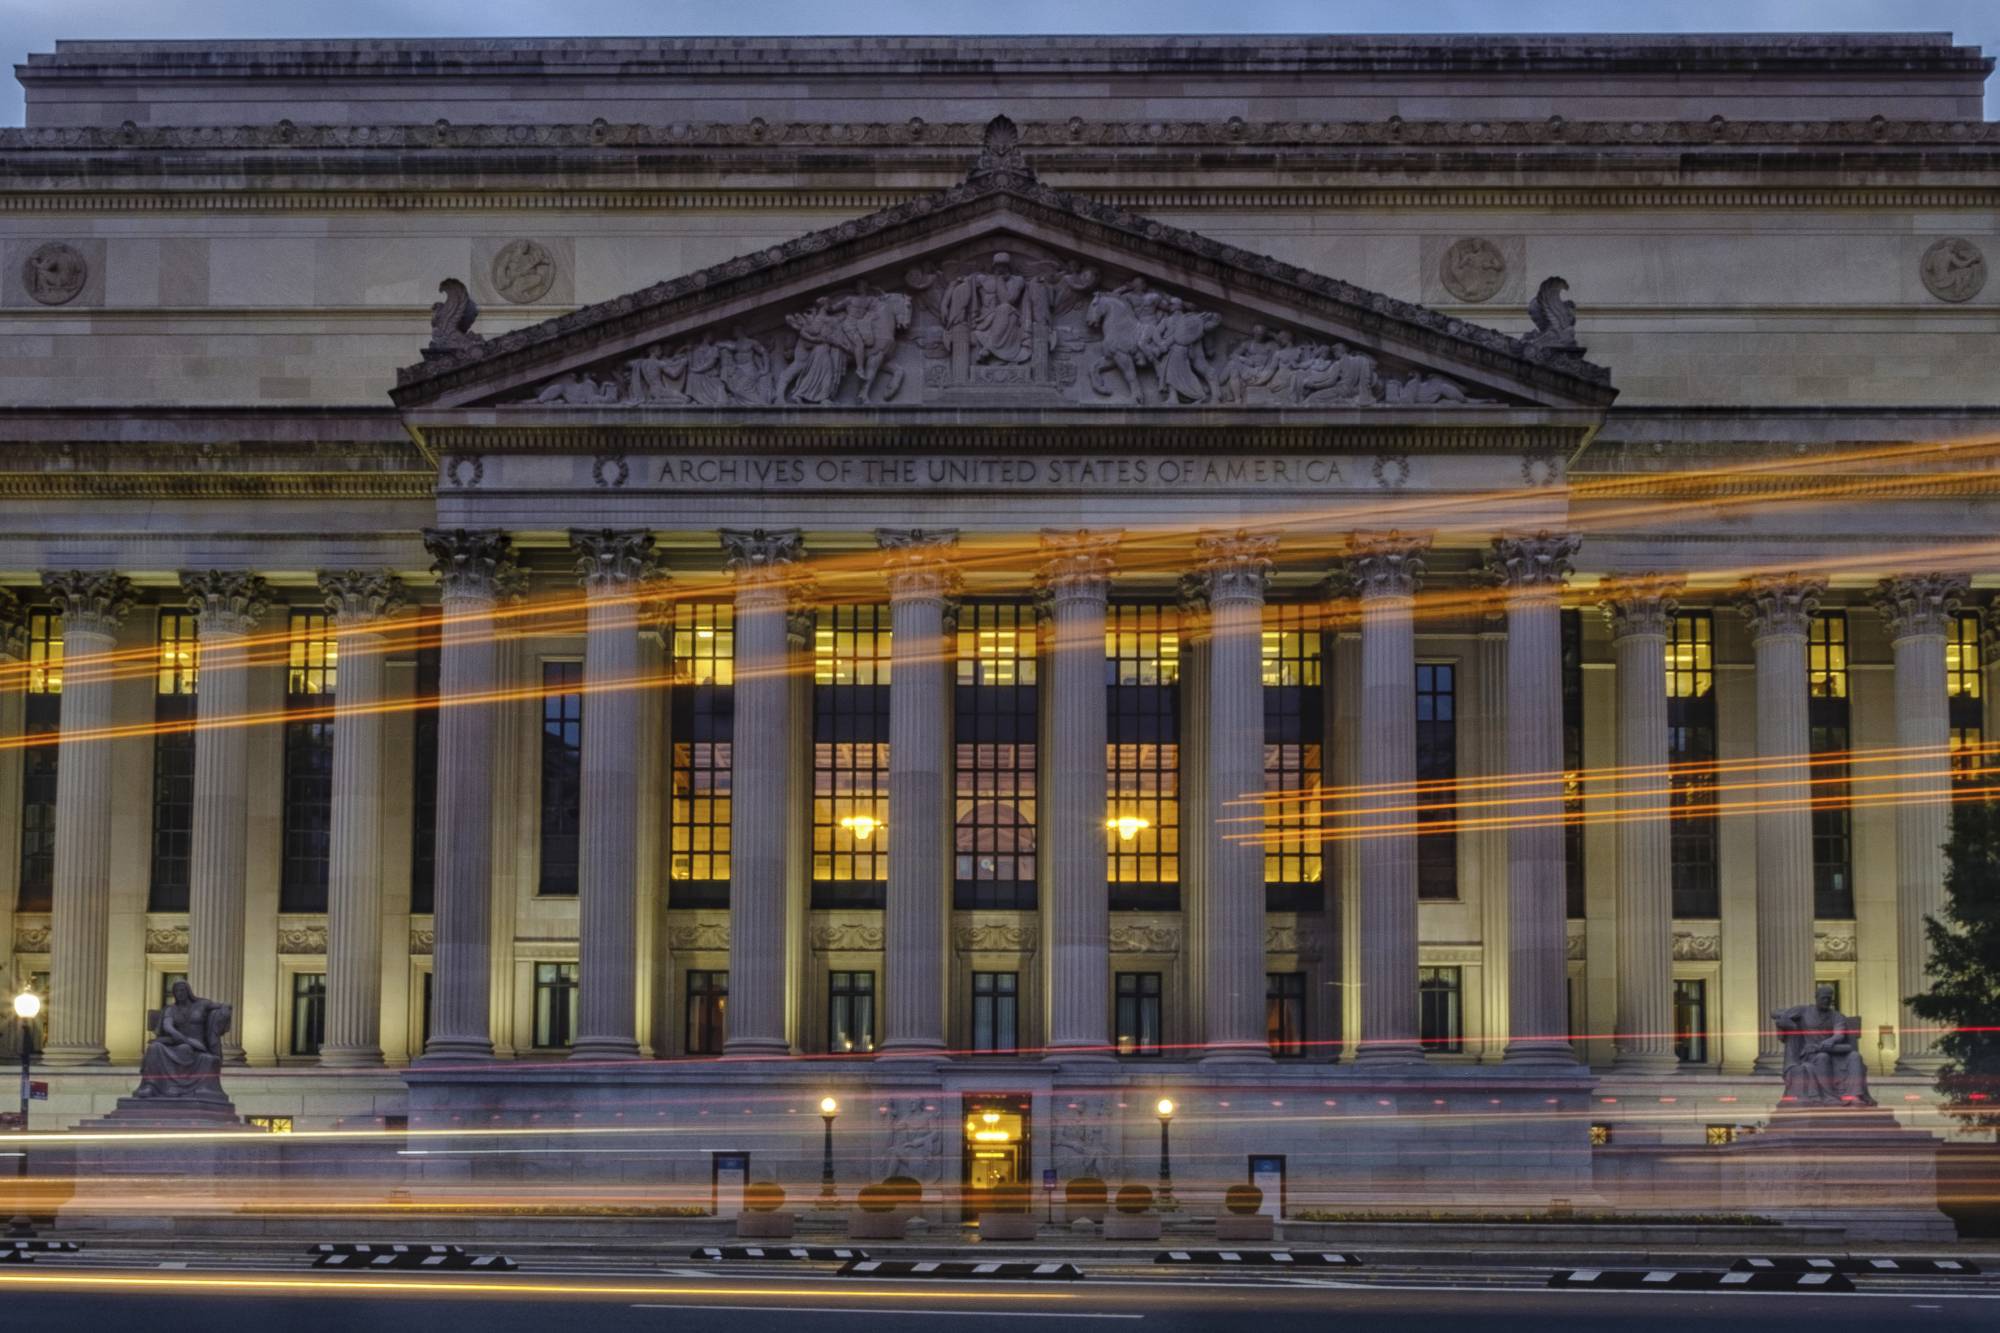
93	606
474	569
1640	610
921	579
1532	570
1919	610
1385	572
1780	610
358	601
227	604
1076	579
1235	567
765	565
614	567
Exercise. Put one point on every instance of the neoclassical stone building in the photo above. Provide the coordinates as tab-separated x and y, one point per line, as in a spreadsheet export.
1030	570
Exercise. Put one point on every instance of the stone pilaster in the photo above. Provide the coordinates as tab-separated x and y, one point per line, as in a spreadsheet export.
1235	568
1385	571
475	570
93	606
921	581
1780	609
1919	610
1198	832
227	605
614	568
1531	569
359	601
764	563
1076	579
1641	611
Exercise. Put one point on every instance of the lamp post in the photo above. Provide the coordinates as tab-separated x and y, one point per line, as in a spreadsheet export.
27	1005
1166	1191
828	1199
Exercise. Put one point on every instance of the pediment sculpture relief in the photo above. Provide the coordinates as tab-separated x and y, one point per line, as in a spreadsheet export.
1003	326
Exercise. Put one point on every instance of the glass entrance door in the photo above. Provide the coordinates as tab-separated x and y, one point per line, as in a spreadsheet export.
996	1146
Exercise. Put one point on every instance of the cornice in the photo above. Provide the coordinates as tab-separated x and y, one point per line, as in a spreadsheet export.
218	486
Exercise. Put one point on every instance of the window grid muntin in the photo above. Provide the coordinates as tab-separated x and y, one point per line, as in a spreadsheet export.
1574	898
1285	1014
1827	710
308	1012
311	664
41	727
1692	823
174	713
851	648
706	1011
1965	705
1691	1020
1138	1014
996	1012
1441	1009
1142	759
1437	763
562	778
995	782
850	1012
1294	731
423	778
702	663
555	1006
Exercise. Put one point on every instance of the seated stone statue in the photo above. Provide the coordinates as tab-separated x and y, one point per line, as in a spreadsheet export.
184	1059
1822	1065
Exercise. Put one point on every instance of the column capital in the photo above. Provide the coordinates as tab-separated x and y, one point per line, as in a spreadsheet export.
1919	603
801	619
1530	564
762	555
357	598
1640	603
1779	604
612	560
228	601
92	600
1077	564
919	561
1235	566
1385	564
476	563
1191	596
13	627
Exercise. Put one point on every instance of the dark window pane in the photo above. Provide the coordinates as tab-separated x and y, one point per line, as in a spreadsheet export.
707	1012
562	776
1437	767
312	659
423	782
308	1012
555	1005
1285	1013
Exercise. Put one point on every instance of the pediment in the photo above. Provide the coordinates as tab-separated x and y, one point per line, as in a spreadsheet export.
999	296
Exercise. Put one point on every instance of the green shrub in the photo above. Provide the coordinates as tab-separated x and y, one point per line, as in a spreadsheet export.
907	1191
876	1199
1135	1199
1012	1198
1086	1192
764	1196
1243	1200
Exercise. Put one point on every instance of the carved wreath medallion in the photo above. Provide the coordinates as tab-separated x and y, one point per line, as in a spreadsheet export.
55	273
524	271
1472	269
1953	269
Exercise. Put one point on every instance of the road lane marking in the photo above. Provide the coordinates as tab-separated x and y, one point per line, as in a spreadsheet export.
933	1314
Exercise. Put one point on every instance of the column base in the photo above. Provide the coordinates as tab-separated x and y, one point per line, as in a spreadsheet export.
1773	1063
75	1054
756	1048
1541	1054
1096	1054
911	1048
1923	1066
605	1048
454	1051
1236	1053
1389	1055
1646	1063
349	1057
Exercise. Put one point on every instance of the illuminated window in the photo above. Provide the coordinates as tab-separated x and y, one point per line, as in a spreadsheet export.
995	716
1285	1013
1600	1136
850	1012
1832	818
707	1012
1719	1136
308	1012
1691	1021
851	757
555	1005
1963	664
173	762
270	1124
1437	768
1441	1010
562	777
1572	696
1138	1013
1294	731
996	1001
309	687
423	783
41	727
1692	832
702	660
1142	663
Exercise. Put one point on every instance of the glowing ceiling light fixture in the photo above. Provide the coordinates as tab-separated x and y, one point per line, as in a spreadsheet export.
862	826
1128	826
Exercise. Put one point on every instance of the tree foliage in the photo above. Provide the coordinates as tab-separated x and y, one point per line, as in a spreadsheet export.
1965	966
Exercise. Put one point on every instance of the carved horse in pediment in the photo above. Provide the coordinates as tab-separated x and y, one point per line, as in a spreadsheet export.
873	320
1123	343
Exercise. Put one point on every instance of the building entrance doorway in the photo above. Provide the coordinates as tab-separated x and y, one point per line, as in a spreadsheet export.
996	1146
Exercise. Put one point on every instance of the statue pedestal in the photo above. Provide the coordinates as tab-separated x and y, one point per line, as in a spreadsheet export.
1853	1167
169	1113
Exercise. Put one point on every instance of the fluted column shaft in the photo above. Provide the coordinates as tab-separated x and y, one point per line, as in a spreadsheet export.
1532	570
1386	573
1076	580
1640	611
1780	609
474	569
1918	611
612	566
1199	832
920	579
1236	568
93	606
228	606
763	563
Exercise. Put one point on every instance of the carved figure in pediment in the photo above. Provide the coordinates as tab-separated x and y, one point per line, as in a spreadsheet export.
656	377
1181	361
1336	376
744	369
1251	362
1132	320
1007	312
839	334
1424	390
579	389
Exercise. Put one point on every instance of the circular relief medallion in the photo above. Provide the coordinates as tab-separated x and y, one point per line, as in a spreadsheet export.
1953	269
524	271
55	273
1472	268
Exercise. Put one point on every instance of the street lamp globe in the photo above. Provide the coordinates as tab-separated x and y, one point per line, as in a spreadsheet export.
828	1106
1166	1108
26	1005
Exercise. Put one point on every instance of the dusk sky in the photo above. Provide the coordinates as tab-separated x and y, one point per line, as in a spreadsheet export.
35	25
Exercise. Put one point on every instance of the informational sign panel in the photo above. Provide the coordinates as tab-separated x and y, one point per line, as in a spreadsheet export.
1267	1173
38	1091
730	1173
1048	1178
